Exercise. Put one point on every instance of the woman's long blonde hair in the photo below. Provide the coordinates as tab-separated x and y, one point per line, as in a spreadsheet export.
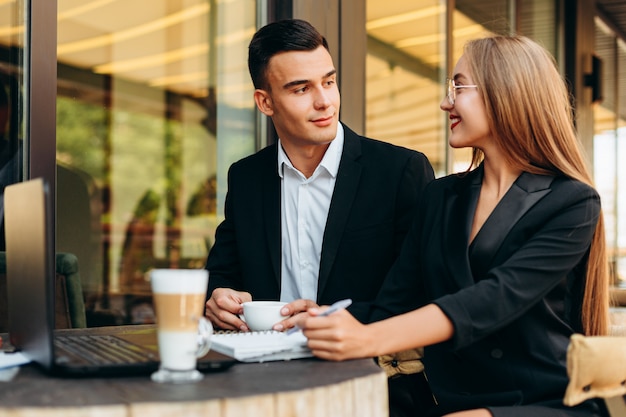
529	111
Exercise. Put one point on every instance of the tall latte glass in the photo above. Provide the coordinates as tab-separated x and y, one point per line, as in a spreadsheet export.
183	333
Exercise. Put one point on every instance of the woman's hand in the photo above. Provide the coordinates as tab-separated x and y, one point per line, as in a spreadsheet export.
338	336
294	311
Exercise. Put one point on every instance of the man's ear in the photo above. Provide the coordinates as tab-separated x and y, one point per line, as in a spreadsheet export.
263	102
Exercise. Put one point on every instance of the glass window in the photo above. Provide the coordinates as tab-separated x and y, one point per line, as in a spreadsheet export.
608	146
620	154
405	70
407	63
12	98
154	103
539	20
475	19
407	66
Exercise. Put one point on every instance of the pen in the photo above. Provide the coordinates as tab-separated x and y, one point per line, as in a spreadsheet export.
339	305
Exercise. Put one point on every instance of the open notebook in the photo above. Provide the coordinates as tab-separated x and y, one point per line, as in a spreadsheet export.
261	346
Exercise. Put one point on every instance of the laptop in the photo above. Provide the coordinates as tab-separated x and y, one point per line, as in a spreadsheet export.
30	257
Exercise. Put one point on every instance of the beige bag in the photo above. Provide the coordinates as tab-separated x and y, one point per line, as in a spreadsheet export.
596	366
405	362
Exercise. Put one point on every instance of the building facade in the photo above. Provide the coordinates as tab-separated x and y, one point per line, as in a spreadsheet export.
133	110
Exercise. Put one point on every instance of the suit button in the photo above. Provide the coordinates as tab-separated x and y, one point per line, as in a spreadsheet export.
394	363
497	354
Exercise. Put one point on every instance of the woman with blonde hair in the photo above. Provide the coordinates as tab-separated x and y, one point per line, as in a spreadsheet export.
505	261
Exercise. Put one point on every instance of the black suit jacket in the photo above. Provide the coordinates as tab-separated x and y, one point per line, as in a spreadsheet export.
514	295
372	207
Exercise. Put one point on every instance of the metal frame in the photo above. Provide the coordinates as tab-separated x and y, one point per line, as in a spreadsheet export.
40	90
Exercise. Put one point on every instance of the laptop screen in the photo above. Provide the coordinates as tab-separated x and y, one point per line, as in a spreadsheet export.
30	263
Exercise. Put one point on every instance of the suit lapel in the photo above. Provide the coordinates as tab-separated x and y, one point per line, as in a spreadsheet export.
459	207
272	210
525	192
346	186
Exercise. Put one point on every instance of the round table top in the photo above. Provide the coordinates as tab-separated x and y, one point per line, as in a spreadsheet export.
299	387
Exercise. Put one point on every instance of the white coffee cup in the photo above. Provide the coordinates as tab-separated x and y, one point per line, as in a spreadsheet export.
262	315
182	331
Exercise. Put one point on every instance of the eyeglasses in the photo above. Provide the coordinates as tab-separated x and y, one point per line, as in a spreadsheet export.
452	89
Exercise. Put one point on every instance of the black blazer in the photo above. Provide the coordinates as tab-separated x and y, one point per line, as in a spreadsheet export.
514	295
371	210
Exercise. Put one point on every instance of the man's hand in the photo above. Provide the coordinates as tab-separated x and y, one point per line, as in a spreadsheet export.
224	307
291	311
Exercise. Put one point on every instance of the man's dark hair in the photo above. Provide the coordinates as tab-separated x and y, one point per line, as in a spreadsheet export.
277	37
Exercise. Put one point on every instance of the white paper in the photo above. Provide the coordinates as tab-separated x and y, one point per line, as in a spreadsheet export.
7	374
261	346
8	360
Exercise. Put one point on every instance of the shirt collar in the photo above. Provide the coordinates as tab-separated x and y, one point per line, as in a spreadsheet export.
331	158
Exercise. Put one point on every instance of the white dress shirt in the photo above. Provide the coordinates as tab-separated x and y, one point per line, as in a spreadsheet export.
304	205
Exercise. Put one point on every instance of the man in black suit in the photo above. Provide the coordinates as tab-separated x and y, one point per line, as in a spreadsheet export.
321	215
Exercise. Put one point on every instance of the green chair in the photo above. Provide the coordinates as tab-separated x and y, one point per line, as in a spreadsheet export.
69	302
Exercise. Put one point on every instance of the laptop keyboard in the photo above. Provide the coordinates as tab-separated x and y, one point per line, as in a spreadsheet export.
102	349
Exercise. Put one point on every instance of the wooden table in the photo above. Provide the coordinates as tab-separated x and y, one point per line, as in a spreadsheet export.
297	388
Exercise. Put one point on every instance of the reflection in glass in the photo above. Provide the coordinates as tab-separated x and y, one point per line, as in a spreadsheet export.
12	110
404	69
608	147
474	19
154	103
12	116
